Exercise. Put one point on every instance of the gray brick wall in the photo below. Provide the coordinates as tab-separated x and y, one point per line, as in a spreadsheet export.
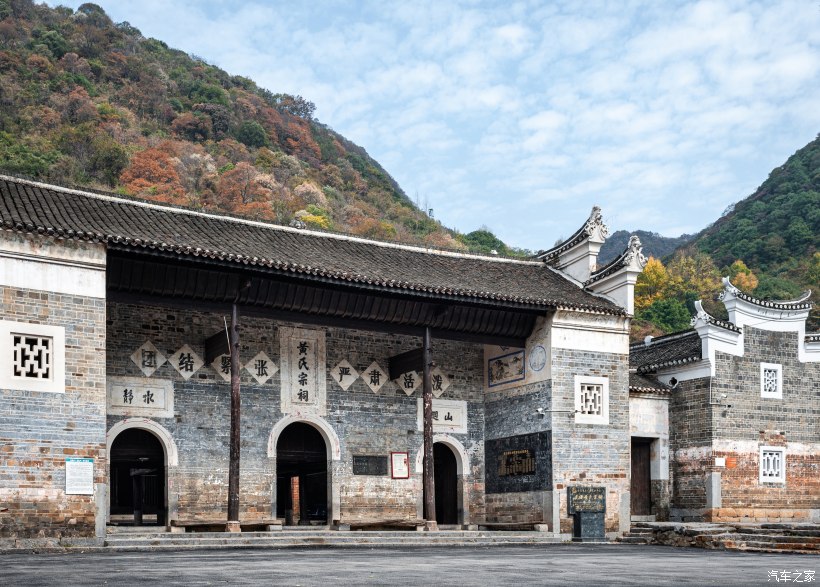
38	430
591	454
366	423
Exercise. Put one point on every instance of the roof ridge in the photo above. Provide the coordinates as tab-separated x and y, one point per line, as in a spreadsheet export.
130	200
664	338
595	221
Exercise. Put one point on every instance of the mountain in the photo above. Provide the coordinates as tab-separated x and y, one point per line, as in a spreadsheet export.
654	245
88	102
776	230
768	243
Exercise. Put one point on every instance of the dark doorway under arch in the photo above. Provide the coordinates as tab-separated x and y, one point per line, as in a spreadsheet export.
301	475
137	479
445	472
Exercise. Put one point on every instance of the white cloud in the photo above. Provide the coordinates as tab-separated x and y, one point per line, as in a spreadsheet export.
498	113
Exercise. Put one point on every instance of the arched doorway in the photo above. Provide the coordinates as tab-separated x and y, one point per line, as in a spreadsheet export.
445	473
301	475
137	479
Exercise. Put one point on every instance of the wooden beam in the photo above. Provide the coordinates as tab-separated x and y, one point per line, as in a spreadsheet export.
233	467
405	362
428	479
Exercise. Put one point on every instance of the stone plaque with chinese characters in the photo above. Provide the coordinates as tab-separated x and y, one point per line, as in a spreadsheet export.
141	396
448	415
148	358
261	368
409	382
375	377
302	354
344	374
186	361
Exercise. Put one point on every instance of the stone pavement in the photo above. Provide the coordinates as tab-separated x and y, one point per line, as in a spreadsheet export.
556	564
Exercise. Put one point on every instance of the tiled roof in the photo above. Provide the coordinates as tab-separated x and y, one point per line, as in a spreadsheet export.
642	384
138	225
666	351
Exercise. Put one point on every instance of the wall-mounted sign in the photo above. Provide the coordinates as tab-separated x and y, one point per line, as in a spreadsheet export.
304	385
141	396
370	465
399	465
79	476
448	415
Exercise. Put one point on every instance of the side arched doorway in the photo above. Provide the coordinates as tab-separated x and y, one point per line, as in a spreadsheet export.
445	473
301	475
137	479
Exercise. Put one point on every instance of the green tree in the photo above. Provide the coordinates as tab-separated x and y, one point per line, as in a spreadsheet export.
670	315
252	134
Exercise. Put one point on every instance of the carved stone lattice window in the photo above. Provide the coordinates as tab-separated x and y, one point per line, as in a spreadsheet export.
32	356
772	464
592	399
771	380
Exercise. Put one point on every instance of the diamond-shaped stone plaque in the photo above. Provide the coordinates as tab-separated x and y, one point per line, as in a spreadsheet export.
222	366
261	367
440	382
409	382
186	361
344	374
148	358
375	377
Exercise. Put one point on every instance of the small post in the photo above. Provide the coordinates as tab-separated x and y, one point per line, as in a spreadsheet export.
429	487
233	468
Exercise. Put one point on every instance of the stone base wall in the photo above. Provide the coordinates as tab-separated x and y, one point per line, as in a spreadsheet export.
524	507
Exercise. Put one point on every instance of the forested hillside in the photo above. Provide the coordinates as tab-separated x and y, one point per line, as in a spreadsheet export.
768	244
654	244
89	102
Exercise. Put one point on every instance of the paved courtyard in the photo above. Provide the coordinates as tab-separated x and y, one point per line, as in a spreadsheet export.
513	565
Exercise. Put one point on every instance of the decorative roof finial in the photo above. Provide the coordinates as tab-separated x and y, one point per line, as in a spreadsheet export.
596	223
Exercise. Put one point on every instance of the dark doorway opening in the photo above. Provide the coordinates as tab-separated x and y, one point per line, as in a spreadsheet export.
301	475
137	479
641	485
445	473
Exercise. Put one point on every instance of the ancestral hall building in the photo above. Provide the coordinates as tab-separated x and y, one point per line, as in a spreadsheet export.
115	389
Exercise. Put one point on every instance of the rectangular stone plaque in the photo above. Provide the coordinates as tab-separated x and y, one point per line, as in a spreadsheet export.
79	476
141	396
518	463
585	498
369	465
448	415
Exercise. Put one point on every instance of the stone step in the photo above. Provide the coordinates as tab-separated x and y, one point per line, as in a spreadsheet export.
627	539
769	538
641	531
325	538
780	532
335	539
326	533
772	546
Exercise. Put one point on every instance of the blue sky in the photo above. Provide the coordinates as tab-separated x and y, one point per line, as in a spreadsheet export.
522	115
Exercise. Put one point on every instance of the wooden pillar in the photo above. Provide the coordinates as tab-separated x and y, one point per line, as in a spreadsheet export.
427	462
233	468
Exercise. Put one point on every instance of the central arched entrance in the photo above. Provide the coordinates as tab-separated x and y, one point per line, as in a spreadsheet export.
445	473
138	479
301	475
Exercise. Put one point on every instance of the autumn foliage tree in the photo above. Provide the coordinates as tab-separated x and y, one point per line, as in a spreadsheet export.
152	174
